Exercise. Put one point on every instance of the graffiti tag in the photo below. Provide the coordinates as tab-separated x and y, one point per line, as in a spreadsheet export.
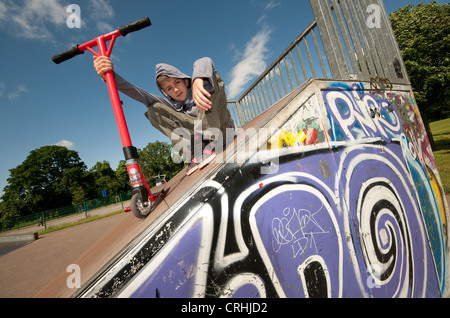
297	228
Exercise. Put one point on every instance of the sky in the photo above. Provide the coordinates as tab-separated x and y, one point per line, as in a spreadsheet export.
42	103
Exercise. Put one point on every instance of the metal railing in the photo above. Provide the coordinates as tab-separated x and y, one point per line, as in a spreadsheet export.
358	39
281	77
352	48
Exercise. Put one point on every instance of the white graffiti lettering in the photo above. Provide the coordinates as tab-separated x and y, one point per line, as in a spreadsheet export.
361	115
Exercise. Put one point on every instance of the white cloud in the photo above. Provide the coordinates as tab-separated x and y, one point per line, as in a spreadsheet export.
272	4
29	19
104	27
262	19
37	19
99	11
19	90
252	63
267	8
65	143
3	11
2	88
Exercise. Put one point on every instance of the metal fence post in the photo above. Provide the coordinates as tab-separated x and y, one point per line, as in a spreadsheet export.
44	221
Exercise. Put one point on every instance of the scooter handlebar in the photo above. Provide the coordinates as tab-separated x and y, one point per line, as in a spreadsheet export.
124	30
135	26
66	55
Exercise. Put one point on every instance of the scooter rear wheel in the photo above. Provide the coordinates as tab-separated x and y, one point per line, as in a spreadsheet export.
136	204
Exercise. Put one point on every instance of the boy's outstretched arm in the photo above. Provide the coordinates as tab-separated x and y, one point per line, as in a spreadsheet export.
103	64
203	71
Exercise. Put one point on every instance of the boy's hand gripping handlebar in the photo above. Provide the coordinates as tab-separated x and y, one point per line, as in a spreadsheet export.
141	191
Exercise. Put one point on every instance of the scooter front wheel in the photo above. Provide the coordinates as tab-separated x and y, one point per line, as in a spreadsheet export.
138	208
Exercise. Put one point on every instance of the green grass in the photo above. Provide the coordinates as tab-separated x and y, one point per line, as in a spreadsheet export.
90	219
441	135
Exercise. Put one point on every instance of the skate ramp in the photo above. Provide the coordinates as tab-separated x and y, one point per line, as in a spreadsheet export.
331	192
103	254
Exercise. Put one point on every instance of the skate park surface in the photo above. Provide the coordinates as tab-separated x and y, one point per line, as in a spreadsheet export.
28	264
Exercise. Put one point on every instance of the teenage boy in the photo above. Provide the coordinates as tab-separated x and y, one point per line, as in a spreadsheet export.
197	105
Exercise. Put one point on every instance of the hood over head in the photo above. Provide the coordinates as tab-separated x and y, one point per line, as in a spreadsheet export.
188	104
170	71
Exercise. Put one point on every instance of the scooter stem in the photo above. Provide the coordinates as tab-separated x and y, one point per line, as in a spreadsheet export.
117	108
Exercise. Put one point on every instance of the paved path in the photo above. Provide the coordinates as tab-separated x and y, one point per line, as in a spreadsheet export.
27	269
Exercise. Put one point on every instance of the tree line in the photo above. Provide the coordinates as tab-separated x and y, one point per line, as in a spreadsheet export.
54	176
423	36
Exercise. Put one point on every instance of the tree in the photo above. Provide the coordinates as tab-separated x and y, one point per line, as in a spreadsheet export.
423	35
155	159
104	178
122	177
53	177
47	179
79	195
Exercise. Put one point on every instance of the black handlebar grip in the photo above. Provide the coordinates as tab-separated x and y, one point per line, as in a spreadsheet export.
135	26
68	54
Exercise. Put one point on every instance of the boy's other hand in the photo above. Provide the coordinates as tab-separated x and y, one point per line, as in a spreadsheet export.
201	95
102	64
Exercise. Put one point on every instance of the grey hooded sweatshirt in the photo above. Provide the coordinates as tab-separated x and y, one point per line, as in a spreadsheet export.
203	68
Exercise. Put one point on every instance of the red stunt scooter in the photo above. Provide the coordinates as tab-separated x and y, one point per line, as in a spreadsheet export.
142	197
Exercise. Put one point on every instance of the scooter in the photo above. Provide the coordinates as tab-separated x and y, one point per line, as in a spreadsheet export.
142	199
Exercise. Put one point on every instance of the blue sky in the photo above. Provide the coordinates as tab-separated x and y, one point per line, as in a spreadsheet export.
42	103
